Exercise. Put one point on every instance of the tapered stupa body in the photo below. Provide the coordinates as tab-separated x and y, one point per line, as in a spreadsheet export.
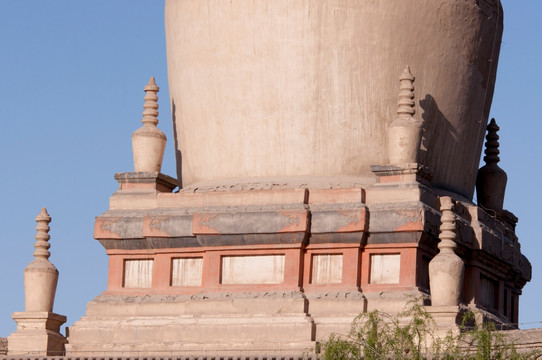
287	89
40	276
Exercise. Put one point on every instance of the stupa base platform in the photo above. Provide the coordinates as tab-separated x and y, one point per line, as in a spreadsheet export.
232	323
203	324
239	267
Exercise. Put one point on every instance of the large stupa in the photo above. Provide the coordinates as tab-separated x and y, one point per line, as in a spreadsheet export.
326	152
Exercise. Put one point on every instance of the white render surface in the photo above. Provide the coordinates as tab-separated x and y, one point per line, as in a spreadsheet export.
138	273
385	268
327	269
186	272
261	269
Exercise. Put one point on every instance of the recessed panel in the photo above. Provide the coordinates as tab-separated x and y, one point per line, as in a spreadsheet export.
138	273
385	268
186	272
262	269
327	269
488	292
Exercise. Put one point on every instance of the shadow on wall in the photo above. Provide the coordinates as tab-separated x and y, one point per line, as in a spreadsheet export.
438	138
178	154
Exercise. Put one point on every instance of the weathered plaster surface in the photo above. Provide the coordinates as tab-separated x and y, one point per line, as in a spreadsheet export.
308	88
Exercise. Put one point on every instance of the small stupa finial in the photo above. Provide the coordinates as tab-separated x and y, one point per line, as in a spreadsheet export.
447	234
491	179
42	236
40	276
38	328
492	143
150	107
405	104
405	132
446	269
149	142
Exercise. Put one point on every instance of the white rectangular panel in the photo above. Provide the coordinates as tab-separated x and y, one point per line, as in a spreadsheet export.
186	271
385	268
138	273
261	269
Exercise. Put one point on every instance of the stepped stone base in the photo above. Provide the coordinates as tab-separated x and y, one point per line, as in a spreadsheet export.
277	323
237	323
37	334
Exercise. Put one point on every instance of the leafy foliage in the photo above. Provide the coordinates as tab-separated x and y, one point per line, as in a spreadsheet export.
410	336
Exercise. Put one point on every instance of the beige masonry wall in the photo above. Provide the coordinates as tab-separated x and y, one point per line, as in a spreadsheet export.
280	88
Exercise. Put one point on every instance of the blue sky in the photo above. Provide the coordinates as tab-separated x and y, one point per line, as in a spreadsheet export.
72	93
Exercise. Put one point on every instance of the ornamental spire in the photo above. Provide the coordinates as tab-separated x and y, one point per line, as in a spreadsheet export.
447	228
405	104
491	179
492	143
150	112
446	269
42	236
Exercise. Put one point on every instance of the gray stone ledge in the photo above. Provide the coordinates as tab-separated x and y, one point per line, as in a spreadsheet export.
200	296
